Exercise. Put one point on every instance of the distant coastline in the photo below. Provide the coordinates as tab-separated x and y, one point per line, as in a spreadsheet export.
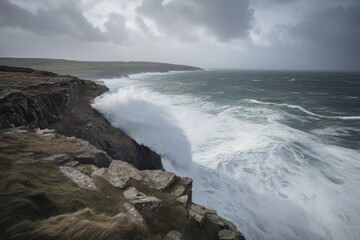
94	69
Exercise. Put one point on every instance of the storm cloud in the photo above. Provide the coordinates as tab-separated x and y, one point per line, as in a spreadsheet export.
68	19
335	28
224	21
281	34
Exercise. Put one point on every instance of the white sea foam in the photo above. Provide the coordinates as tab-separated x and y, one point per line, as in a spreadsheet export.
296	107
271	180
144	117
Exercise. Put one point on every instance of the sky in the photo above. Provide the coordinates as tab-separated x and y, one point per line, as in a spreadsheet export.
245	34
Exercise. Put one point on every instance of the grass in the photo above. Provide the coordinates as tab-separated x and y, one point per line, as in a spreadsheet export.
92	69
38	202
31	191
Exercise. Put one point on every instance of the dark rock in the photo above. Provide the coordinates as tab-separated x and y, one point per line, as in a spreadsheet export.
197	213
38	99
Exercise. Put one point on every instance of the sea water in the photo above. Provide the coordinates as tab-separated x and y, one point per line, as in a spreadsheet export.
275	152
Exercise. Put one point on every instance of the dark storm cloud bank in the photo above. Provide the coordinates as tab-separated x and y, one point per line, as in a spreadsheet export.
333	34
225	20
68	19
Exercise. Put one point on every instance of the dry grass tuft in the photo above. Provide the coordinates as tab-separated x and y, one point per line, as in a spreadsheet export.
83	224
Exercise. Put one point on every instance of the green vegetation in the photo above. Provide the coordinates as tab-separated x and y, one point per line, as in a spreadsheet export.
35	196
93	69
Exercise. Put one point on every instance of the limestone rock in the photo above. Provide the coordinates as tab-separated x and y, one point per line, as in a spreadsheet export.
135	215
142	201
184	200
119	173
160	178
197	213
125	169
101	172
173	235
216	219
226	234
187	183
44	131
58	158
148	203
178	190
95	156
132	193
72	163
78	177
87	169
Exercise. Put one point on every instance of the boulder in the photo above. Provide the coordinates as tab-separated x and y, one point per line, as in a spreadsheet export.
178	190
101	172
184	200
97	158
140	200
160	179
78	177
197	213
148	203
125	169
173	235
119	173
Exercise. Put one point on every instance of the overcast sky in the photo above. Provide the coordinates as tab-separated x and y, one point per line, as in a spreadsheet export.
261	34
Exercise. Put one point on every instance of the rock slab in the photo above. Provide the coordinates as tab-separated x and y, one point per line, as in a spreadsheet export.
161	180
78	177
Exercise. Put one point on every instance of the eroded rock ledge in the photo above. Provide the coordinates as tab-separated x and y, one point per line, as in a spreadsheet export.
144	204
39	99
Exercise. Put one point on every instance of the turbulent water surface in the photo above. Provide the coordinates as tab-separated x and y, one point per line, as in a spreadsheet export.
276	152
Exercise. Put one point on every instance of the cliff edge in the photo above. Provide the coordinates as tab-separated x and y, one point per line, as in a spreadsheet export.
67	174
40	99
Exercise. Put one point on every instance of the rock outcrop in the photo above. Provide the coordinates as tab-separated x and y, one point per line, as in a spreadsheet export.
83	179
39	99
157	202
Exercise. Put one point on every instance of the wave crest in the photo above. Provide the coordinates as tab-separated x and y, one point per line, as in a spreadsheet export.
143	115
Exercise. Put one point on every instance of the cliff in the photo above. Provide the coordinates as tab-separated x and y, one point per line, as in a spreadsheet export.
67	174
39	99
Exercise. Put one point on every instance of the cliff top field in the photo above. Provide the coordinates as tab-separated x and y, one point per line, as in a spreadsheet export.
93	69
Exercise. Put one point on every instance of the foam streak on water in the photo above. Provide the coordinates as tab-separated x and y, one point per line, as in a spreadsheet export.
278	170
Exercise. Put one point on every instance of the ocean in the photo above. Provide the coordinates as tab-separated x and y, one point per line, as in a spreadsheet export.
275	152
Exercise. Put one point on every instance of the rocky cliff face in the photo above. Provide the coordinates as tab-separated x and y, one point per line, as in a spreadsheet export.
39	99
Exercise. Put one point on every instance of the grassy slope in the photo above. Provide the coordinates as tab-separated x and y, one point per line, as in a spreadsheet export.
92	69
38	202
